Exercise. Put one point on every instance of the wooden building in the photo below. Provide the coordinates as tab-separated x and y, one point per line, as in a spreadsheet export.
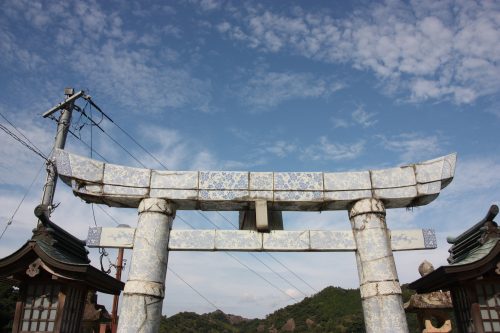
472	276
54	275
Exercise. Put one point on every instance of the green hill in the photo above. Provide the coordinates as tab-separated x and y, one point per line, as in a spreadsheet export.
331	310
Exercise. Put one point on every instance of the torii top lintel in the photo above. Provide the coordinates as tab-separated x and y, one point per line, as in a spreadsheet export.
121	186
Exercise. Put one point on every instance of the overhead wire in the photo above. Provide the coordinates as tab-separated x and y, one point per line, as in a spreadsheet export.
193	288
33	148
24	143
88	98
162	164
266	265
11	219
19	131
278	261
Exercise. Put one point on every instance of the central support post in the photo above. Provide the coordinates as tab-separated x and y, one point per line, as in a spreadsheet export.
379	285
145	288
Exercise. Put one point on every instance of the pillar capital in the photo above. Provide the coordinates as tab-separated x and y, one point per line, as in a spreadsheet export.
366	206
156	205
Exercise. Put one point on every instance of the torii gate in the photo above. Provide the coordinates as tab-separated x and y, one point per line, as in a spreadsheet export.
260	197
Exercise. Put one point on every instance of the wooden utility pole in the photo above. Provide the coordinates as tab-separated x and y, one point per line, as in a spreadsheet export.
116	298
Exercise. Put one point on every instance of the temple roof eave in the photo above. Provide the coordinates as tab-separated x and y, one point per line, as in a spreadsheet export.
19	261
446	276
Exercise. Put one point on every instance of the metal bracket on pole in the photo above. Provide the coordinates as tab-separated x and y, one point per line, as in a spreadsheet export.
72	97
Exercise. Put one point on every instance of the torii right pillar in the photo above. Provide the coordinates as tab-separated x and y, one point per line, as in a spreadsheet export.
379	285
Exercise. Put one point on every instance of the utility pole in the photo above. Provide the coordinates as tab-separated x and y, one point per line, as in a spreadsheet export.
59	142
116	298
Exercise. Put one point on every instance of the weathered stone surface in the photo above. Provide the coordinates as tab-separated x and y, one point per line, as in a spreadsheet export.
192	240
248	240
286	240
412	185
347	181
144	290
379	285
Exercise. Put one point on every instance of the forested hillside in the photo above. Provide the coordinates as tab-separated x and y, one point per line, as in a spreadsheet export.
332	310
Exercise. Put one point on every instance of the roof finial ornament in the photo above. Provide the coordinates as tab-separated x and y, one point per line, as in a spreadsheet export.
425	268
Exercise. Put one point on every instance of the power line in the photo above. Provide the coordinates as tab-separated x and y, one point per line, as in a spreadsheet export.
113	139
135	141
11	124
124	132
11	219
109	215
186	222
88	146
261	276
192	288
272	270
258	259
24	143
294	274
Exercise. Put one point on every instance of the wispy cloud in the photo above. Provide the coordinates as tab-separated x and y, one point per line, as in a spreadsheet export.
358	117
267	89
364	118
416	47
96	45
333	151
413	146
280	148
476	174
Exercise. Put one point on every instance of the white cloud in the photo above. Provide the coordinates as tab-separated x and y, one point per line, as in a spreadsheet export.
363	117
476	174
280	148
268	89
95	45
326	150
340	123
418	47
413	146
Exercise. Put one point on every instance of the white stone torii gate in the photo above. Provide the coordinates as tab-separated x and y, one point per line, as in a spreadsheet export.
158	194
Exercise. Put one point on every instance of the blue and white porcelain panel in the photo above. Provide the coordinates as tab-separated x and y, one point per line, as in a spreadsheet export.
395	177
261	195
262	181
223	180
332	240
174	194
298	196
227	190
221	195
286	240
202	240
178	180
242	240
125	190
85	168
62	162
429	188
449	166
298	181
347	195
429	172
394	193
343	181
126	176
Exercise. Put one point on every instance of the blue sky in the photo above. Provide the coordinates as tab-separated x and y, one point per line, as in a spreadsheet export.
275	86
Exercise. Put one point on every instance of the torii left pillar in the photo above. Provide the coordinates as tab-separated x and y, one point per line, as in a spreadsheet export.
145	288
